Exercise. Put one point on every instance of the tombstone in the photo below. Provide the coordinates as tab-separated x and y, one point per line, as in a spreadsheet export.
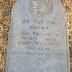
38	37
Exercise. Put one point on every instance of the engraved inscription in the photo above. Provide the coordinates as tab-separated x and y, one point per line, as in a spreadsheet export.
38	41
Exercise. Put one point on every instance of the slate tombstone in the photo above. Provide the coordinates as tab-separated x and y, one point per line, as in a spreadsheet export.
38	37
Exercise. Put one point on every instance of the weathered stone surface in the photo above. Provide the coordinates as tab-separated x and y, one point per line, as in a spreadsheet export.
38	37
